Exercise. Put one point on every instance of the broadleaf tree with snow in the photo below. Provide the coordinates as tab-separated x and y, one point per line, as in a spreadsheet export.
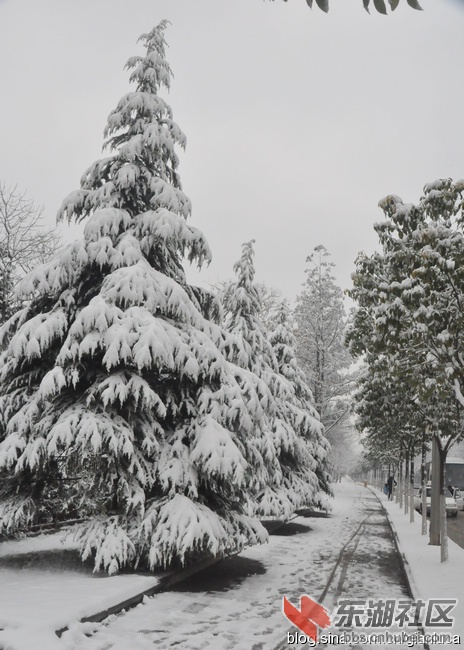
114	393
388	415
411	294
411	298
290	430
379	5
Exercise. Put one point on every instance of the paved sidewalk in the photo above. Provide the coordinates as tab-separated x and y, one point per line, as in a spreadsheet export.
430	578
237	604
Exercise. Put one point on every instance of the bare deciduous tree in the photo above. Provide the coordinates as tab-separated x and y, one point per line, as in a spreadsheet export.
24	242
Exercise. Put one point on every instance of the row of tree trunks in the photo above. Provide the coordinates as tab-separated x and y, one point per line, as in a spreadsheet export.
404	496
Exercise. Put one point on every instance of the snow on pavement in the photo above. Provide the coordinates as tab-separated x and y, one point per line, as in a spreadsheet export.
429	577
44	586
237	604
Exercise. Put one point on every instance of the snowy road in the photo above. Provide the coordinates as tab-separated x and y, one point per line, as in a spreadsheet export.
456	529
237	604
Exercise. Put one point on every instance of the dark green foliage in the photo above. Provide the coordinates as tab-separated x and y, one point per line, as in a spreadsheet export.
379	5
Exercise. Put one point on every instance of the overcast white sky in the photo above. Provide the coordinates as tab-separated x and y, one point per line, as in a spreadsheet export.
297	122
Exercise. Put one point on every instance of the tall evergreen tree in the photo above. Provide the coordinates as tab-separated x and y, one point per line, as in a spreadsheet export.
242	304
320	318
288	429
309	457
253	354
115	394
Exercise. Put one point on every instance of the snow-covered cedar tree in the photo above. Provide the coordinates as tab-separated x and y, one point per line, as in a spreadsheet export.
291	481
269	299
115	394
303	418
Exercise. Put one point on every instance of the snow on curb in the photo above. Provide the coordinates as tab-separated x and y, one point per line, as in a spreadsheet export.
45	587
163	583
39	605
428	577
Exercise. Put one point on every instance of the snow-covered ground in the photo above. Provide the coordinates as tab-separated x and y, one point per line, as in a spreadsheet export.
44	587
237	603
245	612
429	577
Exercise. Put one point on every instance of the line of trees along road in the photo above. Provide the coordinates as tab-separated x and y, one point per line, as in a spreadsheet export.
409	327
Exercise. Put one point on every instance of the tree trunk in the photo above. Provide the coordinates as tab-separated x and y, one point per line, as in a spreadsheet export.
399	492
443	519
435	519
406	483
411	489
424	483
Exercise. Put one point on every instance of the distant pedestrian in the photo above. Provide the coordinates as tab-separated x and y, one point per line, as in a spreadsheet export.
390	482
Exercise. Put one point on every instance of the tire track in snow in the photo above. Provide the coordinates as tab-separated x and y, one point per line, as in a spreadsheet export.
350	560
346	555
